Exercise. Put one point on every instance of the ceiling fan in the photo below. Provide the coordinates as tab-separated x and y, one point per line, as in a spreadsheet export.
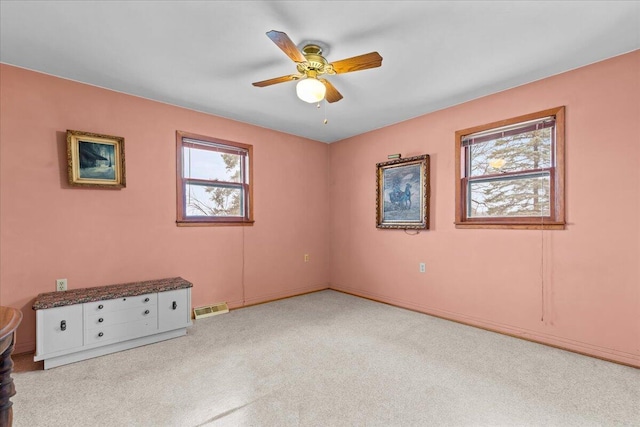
311	64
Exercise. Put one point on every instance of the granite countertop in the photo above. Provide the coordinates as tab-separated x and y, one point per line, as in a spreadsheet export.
79	296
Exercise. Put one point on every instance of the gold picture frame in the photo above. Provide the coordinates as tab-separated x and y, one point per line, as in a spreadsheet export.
95	160
402	200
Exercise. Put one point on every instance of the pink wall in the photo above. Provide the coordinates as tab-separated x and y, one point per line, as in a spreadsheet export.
97	237
489	278
493	278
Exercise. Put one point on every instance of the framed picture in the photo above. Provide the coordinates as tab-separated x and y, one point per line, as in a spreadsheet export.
95	160
402	201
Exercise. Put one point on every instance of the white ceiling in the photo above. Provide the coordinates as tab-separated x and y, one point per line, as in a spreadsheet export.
204	55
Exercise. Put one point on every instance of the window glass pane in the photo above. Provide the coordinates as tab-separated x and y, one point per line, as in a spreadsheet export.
524	151
510	197
203	200
211	165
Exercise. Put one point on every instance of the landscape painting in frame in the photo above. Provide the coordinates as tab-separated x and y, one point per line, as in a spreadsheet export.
95	160
402	200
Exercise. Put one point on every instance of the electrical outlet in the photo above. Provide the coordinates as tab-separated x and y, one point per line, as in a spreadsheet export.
61	284
306	257
423	267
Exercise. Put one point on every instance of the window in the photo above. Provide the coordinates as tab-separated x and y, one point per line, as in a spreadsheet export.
213	181
511	173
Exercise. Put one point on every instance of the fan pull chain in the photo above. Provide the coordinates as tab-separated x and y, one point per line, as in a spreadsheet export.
325	112
325	121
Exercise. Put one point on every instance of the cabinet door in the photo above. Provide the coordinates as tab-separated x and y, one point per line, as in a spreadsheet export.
59	329
173	309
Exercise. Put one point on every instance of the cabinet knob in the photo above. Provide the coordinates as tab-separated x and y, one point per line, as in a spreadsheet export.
100	307
63	325
146	312
100	320
174	305
146	300
100	334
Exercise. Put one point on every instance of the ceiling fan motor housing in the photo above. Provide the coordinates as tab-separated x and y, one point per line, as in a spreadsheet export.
315	61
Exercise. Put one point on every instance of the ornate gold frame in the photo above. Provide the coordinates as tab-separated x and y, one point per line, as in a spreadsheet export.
86	167
407	208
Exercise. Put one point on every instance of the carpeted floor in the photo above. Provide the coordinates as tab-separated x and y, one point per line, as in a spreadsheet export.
330	359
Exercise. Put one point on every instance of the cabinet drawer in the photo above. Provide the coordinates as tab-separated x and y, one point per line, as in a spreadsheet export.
121	331
121	316
118	304
59	329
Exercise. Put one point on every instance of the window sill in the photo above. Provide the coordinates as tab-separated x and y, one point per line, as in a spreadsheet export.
245	223
513	226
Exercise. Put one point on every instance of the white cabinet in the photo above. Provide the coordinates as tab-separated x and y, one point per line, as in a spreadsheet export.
81	331
59	329
171	306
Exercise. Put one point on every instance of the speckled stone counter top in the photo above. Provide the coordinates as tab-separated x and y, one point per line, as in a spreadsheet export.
79	296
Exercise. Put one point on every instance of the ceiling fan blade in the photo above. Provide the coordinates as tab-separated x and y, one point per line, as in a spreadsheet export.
332	94
284	42
357	63
275	80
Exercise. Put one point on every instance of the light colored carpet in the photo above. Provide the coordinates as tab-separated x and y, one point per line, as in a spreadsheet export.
330	359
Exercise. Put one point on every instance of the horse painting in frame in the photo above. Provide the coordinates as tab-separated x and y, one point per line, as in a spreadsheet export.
402	200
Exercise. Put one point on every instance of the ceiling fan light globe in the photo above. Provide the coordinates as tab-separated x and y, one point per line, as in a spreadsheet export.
310	90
